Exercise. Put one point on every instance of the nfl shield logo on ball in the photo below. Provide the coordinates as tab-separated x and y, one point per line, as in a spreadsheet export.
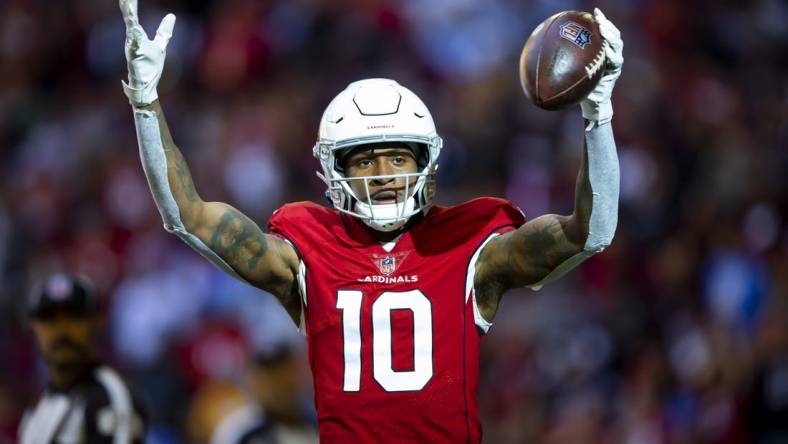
388	264
576	34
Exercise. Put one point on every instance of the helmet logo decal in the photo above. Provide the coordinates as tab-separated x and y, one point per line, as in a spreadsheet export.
322	150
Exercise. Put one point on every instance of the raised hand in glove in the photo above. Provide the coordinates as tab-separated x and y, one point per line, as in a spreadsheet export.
145	57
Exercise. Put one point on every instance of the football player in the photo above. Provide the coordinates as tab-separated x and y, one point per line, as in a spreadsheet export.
393	293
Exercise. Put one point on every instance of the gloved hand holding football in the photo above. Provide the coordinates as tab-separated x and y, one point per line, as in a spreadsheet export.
573	57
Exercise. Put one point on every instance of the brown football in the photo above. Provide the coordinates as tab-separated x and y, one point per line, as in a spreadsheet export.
562	60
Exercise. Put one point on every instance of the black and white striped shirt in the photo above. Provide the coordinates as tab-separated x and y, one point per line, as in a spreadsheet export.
97	409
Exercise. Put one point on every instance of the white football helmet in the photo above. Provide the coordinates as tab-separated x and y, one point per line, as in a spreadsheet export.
373	111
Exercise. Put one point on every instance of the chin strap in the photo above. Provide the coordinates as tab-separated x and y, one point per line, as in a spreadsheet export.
385	227
603	174
387	212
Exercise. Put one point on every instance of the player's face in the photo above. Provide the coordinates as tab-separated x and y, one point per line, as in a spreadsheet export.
381	161
64	338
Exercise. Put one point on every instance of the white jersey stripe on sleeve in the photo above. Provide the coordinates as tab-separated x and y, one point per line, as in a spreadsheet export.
471	292
301	278
302	290
302	281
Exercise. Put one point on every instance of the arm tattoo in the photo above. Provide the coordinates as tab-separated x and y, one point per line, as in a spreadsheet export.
241	243
238	240
545	248
262	248
527	255
185	183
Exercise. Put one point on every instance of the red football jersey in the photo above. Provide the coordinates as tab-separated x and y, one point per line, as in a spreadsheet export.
393	336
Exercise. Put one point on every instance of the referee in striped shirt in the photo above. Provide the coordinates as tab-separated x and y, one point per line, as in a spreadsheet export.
85	401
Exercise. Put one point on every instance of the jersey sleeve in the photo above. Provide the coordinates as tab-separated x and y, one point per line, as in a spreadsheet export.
501	216
289	219
506	215
483	215
299	224
279	221
309	227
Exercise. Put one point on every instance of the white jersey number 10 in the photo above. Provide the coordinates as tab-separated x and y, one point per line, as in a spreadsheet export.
349	301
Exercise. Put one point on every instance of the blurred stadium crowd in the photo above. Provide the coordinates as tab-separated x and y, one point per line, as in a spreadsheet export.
678	333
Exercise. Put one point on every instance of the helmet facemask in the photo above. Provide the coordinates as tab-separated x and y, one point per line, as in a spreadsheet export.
374	128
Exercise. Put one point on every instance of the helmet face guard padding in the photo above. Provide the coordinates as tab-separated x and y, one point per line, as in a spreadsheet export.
375	111
417	197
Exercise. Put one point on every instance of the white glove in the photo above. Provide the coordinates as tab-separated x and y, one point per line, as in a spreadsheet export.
597	106
145	57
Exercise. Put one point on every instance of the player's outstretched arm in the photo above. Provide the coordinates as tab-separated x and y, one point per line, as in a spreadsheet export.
216	230
547	247
258	258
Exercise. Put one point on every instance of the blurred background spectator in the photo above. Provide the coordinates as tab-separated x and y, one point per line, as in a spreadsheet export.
276	410
678	333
